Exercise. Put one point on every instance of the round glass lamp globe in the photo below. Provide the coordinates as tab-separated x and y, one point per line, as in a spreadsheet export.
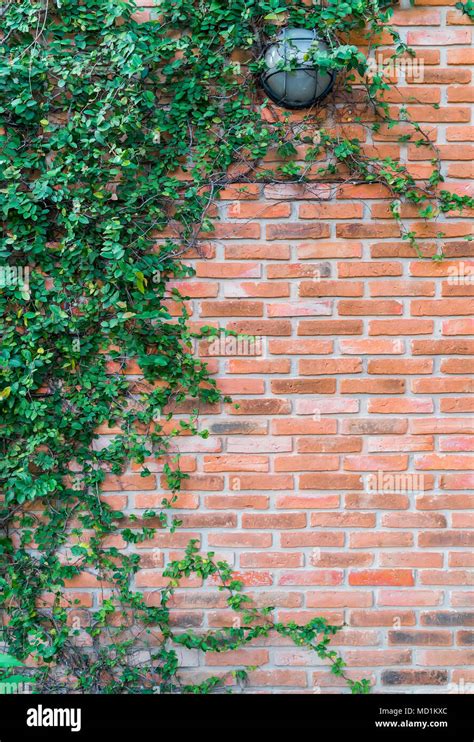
304	84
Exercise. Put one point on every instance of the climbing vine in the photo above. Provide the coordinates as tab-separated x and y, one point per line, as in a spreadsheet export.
467	8
117	136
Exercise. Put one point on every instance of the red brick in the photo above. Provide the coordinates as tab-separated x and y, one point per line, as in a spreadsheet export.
304	386
261	290
416	17
114	483
300	347
316	577
260	210
212	269
295	231
372	386
229	231
377	657
320	250
444	425
446	307
331	288
240	656
400	366
460	56
339	444
330	482
370	269
330	327
306	463
367	231
459	133
260	327
261	482
314	538
330	366
400	406
239	190
331	211
414	677
231	308
411	597
400	327
298	270
246	540
372	347
234	462
411	559
444	657
369	306
279	678
303	427
381	540
343	520
299	309
382	577
258	366
296	191
305	502
274	520
402	288
338	599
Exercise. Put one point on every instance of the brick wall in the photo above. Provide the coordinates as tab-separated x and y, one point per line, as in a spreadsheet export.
339	487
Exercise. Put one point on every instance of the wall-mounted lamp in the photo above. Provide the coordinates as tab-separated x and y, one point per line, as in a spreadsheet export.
304	83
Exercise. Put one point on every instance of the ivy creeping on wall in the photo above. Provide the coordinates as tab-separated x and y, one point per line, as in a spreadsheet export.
117	136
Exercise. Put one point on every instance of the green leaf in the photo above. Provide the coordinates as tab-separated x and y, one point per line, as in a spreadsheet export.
7	660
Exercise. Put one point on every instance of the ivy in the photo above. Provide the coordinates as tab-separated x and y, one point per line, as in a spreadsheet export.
467	8
116	138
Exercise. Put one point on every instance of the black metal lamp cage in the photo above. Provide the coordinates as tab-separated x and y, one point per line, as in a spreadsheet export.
304	84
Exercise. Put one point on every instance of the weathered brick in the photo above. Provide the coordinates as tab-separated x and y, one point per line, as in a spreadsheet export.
414	677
